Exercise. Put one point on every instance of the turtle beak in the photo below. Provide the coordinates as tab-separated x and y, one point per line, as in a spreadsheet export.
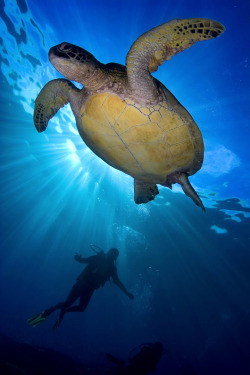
59	51
60	58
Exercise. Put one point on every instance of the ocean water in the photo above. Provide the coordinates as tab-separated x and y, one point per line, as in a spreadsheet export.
189	271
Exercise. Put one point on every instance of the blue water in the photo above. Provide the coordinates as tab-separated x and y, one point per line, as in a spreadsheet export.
189	271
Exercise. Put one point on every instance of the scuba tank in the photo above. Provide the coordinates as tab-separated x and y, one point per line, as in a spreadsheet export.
94	247
101	253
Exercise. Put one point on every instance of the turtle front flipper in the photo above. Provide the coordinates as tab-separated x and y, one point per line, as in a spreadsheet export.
53	96
144	191
159	44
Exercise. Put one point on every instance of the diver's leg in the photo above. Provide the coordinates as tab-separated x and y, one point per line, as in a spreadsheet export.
39	318
51	309
85	297
84	300
73	295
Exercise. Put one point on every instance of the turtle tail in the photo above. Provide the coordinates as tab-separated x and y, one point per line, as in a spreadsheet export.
182	179
53	96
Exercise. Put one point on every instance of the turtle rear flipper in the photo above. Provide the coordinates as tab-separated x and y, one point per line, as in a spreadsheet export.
182	179
189	190
144	191
54	95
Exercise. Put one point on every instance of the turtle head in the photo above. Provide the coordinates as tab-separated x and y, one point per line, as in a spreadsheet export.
76	64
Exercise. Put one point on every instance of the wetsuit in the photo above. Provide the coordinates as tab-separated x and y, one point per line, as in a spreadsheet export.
100	269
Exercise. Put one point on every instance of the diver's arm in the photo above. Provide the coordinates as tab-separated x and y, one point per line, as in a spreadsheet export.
80	259
122	287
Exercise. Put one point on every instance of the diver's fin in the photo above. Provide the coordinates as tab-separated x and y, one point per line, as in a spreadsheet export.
53	96
37	319
144	191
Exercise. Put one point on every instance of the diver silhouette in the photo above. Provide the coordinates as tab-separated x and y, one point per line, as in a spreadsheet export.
100	268
142	363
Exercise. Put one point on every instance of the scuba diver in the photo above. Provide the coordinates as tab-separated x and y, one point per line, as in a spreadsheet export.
100	268
142	363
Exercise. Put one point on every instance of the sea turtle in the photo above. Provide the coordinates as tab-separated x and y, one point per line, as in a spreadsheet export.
127	117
